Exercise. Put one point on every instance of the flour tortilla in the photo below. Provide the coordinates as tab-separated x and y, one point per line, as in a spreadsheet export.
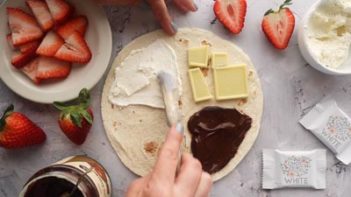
136	132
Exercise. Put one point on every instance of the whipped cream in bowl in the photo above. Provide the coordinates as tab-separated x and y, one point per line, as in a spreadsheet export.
325	36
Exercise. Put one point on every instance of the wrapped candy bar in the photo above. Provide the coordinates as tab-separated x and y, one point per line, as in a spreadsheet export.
331	126
298	169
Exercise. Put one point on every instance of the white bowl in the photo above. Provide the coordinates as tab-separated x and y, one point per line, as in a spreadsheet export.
99	39
305	50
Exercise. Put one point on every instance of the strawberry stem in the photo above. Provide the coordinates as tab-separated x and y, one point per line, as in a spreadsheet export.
84	97
7	112
286	3
269	12
282	6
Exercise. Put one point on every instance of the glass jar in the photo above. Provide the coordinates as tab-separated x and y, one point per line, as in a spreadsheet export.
77	176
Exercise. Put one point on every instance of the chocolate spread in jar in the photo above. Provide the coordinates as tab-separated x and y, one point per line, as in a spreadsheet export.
76	176
216	135
53	187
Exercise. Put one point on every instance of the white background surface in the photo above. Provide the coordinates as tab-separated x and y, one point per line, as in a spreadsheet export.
290	88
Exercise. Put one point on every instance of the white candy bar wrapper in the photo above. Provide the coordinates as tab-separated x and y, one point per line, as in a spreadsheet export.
331	126
294	169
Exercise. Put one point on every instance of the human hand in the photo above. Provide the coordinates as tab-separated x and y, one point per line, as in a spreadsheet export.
164	180
160	10
161	13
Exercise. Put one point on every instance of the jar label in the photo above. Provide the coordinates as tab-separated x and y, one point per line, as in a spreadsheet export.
93	170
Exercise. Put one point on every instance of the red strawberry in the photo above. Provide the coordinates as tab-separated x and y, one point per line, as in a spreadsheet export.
30	70
41	13
23	26
231	13
50	44
278	26
19	59
9	41
75	121
74	50
51	68
24	47
17	131
28	46
60	10
78	24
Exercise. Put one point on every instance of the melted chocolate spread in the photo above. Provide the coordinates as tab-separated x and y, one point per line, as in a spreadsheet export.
216	135
52	187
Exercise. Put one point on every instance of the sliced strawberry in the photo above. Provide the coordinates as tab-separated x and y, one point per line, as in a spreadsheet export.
9	41
278	26
19	59
60	10
31	69
29	46
51	68
231	13
74	50
41	13
23	26
24	47
50	44
78	24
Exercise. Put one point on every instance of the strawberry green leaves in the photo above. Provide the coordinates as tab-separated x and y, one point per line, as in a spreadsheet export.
7	112
76	112
284	5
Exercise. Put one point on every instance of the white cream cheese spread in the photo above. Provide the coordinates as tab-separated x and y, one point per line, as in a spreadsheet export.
329	32
136	80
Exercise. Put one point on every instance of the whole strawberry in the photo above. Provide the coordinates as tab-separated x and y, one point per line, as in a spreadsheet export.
17	131
75	120
279	25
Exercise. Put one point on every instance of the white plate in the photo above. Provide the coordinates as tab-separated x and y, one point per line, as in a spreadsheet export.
99	38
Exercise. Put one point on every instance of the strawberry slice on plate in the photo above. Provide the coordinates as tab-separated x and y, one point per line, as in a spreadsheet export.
31	69
79	24
231	13
29	46
279	25
74	50
50	44
24	47
41	13
9	41
51	68
60	10
19	59
23	26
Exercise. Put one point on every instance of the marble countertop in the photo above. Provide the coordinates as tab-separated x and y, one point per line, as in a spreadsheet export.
291	87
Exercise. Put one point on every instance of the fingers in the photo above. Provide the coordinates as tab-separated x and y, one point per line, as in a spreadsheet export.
116	2
160	11
189	176
186	5
205	185
135	188
165	168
